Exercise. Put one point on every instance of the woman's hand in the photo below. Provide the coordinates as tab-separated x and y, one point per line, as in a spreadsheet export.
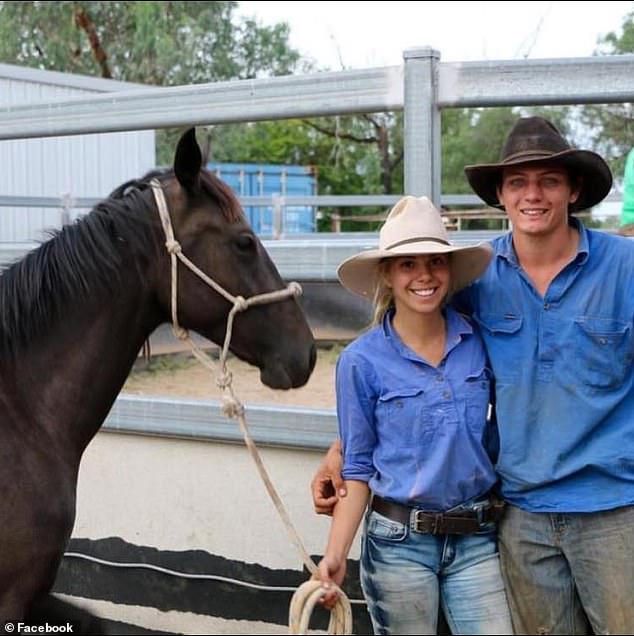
330	570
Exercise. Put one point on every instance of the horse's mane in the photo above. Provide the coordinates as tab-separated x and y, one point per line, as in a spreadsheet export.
92	255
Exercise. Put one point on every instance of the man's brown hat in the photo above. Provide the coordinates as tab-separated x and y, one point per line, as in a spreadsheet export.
536	140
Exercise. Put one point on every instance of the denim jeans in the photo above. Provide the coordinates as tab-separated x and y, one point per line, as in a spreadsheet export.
567	572
406	574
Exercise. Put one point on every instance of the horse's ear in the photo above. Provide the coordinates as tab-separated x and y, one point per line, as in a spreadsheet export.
188	160
206	146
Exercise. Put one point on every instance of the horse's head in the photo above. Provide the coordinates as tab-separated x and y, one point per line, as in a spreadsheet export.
210	226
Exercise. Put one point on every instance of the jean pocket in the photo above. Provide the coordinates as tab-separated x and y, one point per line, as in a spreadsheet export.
385	529
605	351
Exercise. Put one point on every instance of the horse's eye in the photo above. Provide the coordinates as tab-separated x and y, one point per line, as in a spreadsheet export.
245	243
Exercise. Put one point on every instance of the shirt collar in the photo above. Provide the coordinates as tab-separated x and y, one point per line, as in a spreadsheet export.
506	251
505	248
457	327
583	249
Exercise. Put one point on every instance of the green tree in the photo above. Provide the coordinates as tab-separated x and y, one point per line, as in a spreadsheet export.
155	43
171	43
158	43
471	136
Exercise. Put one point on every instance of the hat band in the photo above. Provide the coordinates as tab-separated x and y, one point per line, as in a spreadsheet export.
418	239
530	155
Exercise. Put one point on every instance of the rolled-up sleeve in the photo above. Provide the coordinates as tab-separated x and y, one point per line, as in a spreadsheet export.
356	399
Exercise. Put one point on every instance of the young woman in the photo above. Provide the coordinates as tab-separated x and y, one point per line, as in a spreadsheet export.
412	402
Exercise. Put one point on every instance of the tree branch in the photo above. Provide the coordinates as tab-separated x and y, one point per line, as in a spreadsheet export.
339	135
377	125
396	160
83	21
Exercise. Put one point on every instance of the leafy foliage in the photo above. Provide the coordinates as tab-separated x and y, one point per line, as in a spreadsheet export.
155	43
158	43
170	43
471	136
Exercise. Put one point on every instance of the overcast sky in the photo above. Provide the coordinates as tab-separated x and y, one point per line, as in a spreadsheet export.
368	34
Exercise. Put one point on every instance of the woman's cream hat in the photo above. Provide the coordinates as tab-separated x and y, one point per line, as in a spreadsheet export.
413	226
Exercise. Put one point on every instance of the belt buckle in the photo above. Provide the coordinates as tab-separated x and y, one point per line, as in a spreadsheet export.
479	509
427	522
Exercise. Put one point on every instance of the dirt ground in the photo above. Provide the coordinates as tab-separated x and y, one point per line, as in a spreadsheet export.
180	375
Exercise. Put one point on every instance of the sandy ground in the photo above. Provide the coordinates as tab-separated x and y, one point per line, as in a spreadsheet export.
180	375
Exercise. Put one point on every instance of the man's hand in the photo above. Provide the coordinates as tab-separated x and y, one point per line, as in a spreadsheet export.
327	485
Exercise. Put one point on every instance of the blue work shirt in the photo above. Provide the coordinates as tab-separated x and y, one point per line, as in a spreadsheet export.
563	374
416	433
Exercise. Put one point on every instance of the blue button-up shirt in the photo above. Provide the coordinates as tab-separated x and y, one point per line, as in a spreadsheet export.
564	375
416	433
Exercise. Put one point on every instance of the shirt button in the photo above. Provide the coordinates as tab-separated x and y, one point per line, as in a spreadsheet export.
440	379
546	306
446	395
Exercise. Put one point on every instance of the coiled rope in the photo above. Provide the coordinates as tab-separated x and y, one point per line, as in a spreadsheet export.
309	593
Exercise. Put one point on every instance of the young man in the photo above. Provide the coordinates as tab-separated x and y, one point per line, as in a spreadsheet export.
556	310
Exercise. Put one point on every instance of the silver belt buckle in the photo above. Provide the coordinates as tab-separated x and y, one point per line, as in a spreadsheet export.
479	509
427	524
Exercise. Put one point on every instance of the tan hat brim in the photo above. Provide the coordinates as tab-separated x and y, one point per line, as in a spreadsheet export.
360	273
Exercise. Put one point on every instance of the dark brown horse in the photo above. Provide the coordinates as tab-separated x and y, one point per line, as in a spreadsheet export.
73	316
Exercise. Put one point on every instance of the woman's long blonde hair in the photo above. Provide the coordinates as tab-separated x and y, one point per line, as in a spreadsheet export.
383	297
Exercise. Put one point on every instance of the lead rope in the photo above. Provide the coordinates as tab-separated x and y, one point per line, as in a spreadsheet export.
308	594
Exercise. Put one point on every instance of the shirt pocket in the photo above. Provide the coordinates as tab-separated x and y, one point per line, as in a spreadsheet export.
403	418
604	351
477	388
502	336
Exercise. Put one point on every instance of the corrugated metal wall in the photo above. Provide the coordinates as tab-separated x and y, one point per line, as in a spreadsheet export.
78	166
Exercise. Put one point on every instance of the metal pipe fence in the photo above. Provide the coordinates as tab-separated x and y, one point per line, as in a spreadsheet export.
422	87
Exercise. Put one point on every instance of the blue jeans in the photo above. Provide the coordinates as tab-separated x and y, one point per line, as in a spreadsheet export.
565	572
406	574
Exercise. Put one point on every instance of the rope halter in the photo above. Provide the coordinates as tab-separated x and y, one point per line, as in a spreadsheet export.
311	591
238	303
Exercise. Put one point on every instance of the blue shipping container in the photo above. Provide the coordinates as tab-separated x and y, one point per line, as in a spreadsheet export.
251	179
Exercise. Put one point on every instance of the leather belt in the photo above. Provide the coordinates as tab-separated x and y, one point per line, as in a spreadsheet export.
463	522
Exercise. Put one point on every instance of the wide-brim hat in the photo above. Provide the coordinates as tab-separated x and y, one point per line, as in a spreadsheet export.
536	140
413	226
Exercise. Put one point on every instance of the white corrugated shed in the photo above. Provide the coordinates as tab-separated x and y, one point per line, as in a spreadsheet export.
62	167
